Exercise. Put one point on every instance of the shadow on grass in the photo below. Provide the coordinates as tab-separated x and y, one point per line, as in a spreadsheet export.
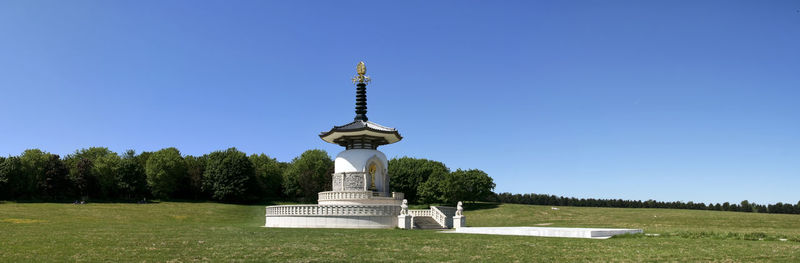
629	235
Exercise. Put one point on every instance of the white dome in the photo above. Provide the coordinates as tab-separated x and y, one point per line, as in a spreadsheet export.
355	160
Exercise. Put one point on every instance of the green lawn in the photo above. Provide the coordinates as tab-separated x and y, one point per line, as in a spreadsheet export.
184	232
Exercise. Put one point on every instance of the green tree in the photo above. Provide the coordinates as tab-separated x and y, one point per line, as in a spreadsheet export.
192	184
745	206
478	184
430	191
455	187
91	153
105	169
164	170
3	179
88	180
81	177
56	183
142	158
307	175
11	175
408	174
33	173
229	176
269	175
460	185
131	178
43	175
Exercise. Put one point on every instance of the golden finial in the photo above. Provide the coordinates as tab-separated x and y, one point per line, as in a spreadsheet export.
361	69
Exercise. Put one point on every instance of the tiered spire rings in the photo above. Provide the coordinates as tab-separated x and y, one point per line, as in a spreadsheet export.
361	91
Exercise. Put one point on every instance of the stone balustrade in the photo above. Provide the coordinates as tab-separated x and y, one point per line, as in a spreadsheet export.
350	195
333	210
359	197
443	215
447	210
420	212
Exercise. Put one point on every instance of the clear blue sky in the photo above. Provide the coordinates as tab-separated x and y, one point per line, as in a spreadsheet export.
669	100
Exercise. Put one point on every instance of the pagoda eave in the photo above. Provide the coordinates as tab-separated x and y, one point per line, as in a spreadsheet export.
379	137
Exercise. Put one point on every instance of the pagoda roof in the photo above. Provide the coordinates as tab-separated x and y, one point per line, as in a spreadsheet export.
361	128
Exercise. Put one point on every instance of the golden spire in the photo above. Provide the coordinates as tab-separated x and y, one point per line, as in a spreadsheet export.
361	69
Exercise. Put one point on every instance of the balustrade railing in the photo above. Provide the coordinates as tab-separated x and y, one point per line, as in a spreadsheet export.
442	214
356	195
420	212
442	218
344	195
333	210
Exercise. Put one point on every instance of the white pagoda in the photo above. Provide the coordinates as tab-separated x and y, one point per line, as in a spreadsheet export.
361	196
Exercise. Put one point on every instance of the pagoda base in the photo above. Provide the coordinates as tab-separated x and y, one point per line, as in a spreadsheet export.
332	216
340	209
331	221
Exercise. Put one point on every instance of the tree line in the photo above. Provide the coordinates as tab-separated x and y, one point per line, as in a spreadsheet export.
98	173
232	176
428	182
543	199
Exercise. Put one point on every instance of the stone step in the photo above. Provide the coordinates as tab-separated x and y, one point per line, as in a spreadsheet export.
426	222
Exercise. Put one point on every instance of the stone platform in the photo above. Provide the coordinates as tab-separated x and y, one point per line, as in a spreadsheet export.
339	209
597	233
332	216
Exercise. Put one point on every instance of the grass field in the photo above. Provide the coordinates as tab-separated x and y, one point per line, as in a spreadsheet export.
187	232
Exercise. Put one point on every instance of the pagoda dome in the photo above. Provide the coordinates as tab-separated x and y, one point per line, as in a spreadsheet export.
358	160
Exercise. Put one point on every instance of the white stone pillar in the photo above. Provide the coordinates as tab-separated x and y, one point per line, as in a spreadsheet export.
404	221
366	182
459	221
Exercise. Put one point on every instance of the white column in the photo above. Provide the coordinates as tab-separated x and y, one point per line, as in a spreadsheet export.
459	221
404	221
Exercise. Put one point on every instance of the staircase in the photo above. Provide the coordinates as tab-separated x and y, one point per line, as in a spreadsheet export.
437	217
426	222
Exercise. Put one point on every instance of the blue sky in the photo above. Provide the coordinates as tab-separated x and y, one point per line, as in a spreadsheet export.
669	100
